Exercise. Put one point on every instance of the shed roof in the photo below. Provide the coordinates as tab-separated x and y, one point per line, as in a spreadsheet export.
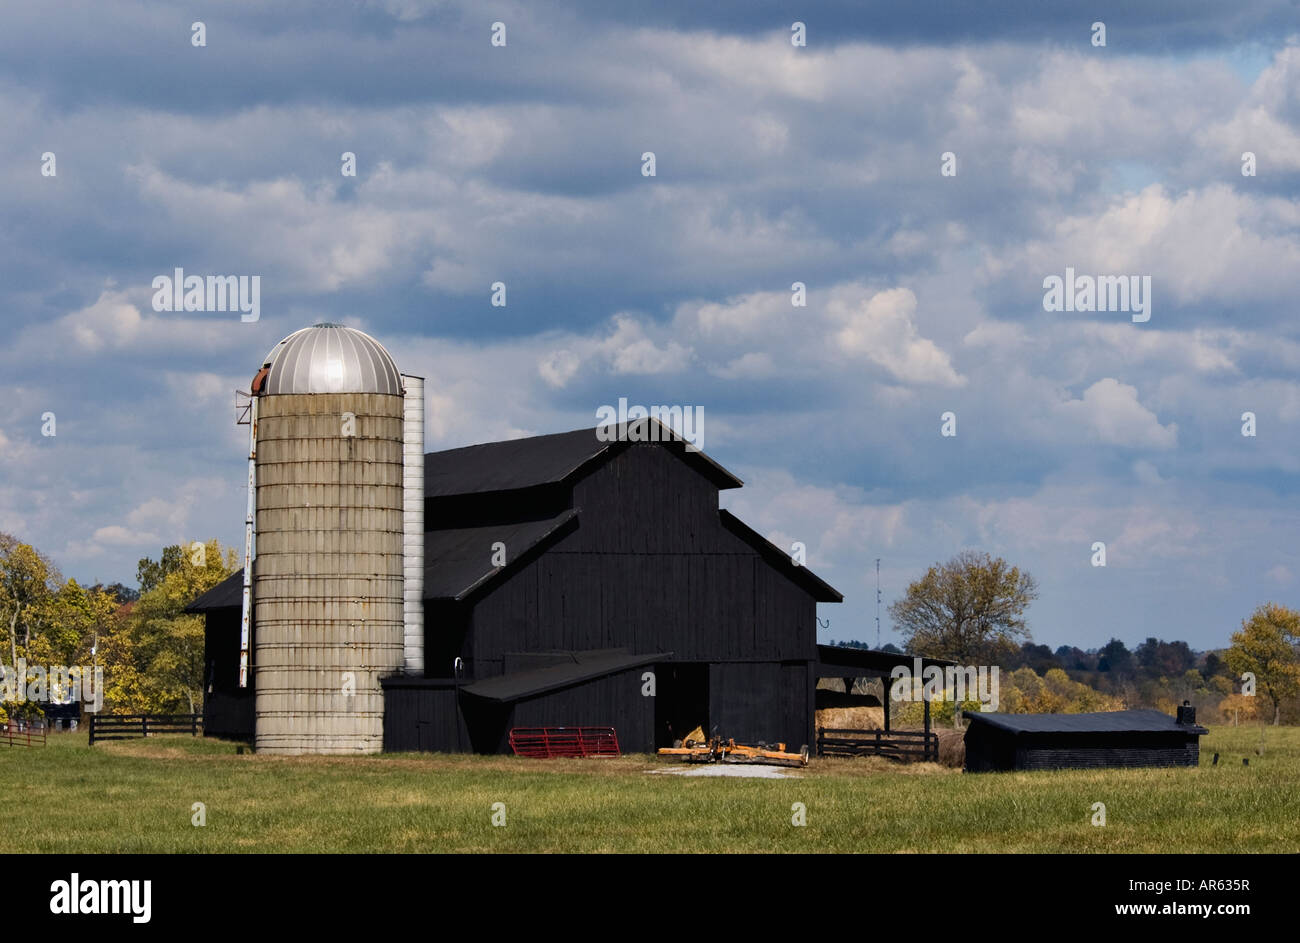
228	594
548	459
1133	721
836	661
583	666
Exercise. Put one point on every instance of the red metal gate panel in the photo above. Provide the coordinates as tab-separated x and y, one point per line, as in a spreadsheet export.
548	742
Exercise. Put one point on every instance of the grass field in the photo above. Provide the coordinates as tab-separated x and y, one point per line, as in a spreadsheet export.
137	796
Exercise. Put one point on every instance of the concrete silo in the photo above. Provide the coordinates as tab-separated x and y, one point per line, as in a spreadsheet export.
328	579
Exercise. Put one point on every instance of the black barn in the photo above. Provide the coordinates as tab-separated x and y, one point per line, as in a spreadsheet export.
1061	741
565	575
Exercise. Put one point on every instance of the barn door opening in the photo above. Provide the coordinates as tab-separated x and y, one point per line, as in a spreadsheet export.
681	701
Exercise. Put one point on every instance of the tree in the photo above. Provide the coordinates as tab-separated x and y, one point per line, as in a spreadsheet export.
27	583
150	572
970	608
1161	659
1073	658
157	656
120	592
1266	646
1115	658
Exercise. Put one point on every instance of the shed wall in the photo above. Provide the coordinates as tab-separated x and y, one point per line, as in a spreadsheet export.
989	749
423	716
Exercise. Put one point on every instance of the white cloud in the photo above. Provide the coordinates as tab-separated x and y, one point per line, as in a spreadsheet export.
882	330
559	367
750	366
1281	575
1111	411
629	350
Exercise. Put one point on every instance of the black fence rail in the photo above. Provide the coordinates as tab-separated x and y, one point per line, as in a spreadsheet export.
23	734
896	744
130	726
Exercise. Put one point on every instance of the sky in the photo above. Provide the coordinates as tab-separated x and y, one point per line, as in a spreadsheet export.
822	164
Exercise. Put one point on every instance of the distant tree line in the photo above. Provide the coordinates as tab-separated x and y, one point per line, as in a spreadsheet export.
971	610
150	651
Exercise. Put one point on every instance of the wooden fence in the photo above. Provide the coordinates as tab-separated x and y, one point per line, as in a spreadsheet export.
22	734
129	726
896	744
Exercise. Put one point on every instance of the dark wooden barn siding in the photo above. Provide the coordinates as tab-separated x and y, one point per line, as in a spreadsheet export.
992	750
227	708
661	576
1096	752
614	701
989	749
421	715
647	500
761	701
701	607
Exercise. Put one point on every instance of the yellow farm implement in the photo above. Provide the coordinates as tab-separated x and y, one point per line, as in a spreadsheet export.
696	748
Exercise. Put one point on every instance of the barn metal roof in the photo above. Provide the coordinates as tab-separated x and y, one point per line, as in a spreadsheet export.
459	561
584	666
228	594
1133	721
456	562
331	358
543	459
838	661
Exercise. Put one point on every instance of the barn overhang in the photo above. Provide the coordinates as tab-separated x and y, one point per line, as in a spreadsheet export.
228	594
834	661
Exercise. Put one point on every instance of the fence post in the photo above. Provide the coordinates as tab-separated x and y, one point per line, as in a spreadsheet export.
194	724
144	725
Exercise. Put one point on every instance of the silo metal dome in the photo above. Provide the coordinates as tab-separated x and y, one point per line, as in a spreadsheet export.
331	358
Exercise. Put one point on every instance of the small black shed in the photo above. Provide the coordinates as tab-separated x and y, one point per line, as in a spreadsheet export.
1062	741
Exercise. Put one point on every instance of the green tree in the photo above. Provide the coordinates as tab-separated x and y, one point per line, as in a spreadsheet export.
157	656
27	583
1115	658
77	616
1267	647
150	572
967	609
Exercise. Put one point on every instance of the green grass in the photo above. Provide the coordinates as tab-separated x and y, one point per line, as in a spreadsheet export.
136	796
